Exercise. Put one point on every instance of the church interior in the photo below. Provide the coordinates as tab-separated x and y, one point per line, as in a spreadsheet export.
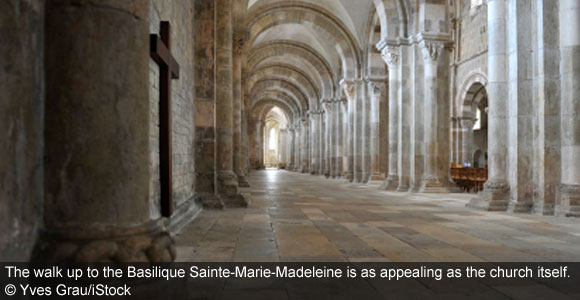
289	130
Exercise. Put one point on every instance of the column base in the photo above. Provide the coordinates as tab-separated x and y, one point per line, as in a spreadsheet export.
391	183
227	183
211	201
520	207
378	176
243	182
146	243
494	197
569	199
238	200
432	185
327	173
365	177
358	176
349	176
403	187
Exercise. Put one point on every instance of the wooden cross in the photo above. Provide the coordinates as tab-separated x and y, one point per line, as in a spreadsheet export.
168	69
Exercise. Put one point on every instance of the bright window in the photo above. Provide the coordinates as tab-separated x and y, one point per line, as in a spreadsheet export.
477	125
272	145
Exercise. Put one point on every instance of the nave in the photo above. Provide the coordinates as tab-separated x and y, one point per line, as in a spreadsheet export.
299	217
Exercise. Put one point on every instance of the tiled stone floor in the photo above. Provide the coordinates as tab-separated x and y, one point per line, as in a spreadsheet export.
299	217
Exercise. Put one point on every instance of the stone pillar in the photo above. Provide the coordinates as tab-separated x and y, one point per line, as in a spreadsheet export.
245	145
431	181
405	110
322	139
314	143
227	180
260	144
96	155
466	139
305	150
376	88
366	161
341	125
22	122
334	140
297	145
282	141
341	158
570	107
359	140
456	132
238	50
495	195
349	90
327	104
391	55
291	153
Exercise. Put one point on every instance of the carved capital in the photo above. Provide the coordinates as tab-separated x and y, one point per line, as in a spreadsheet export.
431	51
349	89
377	88
390	55
239	43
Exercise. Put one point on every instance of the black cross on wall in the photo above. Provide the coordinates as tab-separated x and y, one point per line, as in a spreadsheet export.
168	70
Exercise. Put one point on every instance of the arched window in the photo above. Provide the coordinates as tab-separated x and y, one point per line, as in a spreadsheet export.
273	141
477	125
475	4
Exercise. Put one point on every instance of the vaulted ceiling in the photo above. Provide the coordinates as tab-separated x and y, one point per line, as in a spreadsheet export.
298	51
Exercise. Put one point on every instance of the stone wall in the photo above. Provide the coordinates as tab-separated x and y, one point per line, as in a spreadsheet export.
21	120
180	15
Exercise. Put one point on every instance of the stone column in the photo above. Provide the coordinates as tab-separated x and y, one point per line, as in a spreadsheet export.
570	107
391	55
260	144
377	88
322	139
359	139
314	159
405	110
341	157
297	145
456	132
305	150
96	153
431	182
238	50
245	146
466	139
333	140
327	104
227	180
349	90
366	160
291	155
22	94
282	140
495	195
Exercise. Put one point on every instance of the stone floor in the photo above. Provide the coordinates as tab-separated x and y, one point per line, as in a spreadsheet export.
299	217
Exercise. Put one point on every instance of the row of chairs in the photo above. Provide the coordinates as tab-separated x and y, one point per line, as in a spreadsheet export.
467	178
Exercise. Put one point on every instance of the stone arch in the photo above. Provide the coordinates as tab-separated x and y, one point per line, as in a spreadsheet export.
274	49
259	106
327	25
374	64
468	91
282	85
288	73
393	18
